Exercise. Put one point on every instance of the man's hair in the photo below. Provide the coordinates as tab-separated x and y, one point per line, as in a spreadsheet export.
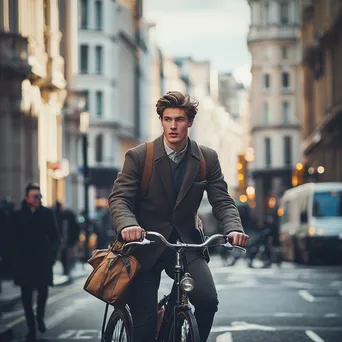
177	99
31	186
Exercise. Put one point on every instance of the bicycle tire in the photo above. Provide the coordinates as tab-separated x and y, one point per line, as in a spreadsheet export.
119	327
192	334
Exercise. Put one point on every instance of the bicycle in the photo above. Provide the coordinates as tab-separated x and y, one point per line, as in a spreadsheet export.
176	320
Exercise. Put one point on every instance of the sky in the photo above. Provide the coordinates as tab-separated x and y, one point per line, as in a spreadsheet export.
214	30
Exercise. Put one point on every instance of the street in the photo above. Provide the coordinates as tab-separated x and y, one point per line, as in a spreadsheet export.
290	303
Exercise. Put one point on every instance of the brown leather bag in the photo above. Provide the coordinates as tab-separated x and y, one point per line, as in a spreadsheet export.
113	273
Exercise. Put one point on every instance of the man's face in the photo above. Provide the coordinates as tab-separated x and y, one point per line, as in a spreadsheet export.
175	124
33	198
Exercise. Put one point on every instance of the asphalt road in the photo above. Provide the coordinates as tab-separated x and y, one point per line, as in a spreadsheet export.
290	303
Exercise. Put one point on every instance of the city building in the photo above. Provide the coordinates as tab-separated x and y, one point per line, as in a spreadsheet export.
113	60
322	80
275	98
32	94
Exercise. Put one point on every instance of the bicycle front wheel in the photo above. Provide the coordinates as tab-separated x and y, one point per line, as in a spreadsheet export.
119	327
186	327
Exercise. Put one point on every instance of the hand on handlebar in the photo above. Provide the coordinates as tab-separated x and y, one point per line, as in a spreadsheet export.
133	233
238	239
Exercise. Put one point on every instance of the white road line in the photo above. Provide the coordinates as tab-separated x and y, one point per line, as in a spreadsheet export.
241	326
331	315
313	336
336	283
288	314
227	337
306	296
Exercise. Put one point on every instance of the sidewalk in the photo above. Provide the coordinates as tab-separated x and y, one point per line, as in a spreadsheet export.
10	293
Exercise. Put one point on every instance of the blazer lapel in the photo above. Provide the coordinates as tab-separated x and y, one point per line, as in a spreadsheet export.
191	171
163	168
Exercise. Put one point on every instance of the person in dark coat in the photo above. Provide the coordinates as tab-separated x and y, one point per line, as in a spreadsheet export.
35	247
69	233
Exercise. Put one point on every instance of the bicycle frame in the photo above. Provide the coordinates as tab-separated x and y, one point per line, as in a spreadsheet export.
178	299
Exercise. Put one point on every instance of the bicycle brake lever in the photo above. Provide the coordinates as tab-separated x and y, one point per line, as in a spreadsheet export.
226	245
231	247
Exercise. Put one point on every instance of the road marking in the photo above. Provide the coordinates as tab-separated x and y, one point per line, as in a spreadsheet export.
306	296
297	284
331	315
288	314
227	337
336	283
87	334
340	292
241	326
313	336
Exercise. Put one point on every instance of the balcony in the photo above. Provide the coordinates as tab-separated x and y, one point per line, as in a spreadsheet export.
14	53
274	32
258	125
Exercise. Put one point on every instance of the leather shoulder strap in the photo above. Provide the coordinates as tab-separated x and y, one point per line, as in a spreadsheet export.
146	177
203	166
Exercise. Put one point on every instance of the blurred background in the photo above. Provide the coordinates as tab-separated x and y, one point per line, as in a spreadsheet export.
79	80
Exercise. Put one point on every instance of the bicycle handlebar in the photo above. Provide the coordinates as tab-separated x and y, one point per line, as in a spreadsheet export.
181	245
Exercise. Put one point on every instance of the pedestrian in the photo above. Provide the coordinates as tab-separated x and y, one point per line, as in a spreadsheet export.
169	206
6	209
69	231
35	243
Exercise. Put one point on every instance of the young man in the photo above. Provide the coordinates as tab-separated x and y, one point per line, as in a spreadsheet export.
35	243
169	207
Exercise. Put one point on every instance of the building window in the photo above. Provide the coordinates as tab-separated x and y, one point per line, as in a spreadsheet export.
267	81
99	103
286	112
285	80
284	13
12	15
267	13
268	152
287	151
99	59
99	148
265	113
284	52
85	94
98	15
84	59
84	14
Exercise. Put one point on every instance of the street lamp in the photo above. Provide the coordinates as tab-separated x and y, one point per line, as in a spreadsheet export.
84	128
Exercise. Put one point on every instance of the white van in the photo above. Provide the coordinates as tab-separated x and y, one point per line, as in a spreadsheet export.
311	222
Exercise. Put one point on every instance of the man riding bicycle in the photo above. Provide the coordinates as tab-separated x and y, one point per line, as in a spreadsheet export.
169	206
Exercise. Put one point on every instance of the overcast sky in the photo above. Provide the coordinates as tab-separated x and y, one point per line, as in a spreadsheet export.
214	30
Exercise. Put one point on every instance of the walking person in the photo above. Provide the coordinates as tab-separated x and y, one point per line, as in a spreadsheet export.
69	232
169	207
35	243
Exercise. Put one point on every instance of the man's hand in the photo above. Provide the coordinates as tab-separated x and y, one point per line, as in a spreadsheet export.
238	239
134	233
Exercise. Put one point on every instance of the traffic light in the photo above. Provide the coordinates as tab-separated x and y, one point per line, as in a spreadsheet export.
241	167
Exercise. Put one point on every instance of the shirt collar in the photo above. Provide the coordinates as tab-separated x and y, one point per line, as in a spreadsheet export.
173	154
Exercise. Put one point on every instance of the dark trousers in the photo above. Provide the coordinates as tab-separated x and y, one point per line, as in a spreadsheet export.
143	299
26	297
